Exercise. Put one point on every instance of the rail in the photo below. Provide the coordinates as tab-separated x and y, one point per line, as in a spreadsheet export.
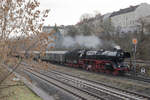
93	89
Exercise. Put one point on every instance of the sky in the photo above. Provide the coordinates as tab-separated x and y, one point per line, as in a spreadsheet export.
68	12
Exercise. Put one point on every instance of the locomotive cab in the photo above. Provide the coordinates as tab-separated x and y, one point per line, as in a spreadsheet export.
120	68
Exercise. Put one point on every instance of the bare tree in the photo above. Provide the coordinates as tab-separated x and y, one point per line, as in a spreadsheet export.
85	17
72	31
143	39
21	22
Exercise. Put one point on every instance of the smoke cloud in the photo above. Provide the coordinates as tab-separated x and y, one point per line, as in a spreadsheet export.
82	41
68	42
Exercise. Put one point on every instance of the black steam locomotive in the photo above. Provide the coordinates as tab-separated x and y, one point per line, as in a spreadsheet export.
99	61
93	60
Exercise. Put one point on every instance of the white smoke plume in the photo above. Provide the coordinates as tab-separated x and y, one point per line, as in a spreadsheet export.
82	41
68	42
114	45
92	41
88	41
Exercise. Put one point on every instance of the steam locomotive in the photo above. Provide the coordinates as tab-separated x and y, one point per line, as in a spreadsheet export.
110	62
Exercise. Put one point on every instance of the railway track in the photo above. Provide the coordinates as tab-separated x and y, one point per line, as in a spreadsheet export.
138	78
132	76
63	84
139	61
128	76
85	89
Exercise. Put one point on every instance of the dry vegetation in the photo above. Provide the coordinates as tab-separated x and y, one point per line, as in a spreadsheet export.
14	89
21	23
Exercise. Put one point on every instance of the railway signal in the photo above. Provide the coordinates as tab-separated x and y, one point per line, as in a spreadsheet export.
134	41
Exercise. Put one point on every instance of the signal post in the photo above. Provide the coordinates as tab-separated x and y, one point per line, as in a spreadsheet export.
134	41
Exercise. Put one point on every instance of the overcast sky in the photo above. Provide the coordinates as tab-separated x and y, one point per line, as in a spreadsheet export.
68	12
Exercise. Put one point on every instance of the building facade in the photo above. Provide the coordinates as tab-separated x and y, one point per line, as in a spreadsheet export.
127	19
49	29
56	37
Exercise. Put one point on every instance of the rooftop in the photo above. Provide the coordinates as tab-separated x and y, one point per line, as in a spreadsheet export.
126	10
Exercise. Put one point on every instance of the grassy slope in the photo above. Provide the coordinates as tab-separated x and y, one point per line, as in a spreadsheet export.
18	92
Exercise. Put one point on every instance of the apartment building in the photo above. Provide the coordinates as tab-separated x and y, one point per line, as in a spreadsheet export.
127	19
57	37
